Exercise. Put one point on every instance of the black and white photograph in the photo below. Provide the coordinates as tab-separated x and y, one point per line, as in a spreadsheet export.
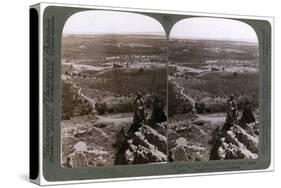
113	90
130	96
213	90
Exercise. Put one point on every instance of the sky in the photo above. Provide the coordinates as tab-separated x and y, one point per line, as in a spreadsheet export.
213	28
110	22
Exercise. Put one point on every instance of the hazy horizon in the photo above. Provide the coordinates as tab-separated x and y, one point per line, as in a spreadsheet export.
121	23
213	29
162	35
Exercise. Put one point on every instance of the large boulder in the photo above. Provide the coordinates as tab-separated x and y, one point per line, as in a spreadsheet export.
236	143
146	145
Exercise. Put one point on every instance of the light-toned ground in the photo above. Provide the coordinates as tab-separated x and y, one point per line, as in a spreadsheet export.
91	139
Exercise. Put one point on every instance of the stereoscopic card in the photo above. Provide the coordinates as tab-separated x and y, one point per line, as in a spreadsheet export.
122	93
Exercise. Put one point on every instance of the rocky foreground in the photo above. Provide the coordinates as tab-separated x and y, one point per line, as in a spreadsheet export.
147	145
93	145
236	143
188	139
202	138
96	144
87	142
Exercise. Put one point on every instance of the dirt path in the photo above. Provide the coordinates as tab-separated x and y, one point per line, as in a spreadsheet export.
192	101
213	119
83	67
116	119
91	101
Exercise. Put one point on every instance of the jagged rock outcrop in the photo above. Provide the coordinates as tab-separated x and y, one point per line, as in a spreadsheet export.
236	143
147	145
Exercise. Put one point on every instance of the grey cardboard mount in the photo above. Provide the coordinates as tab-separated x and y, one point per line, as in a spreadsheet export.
54	18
